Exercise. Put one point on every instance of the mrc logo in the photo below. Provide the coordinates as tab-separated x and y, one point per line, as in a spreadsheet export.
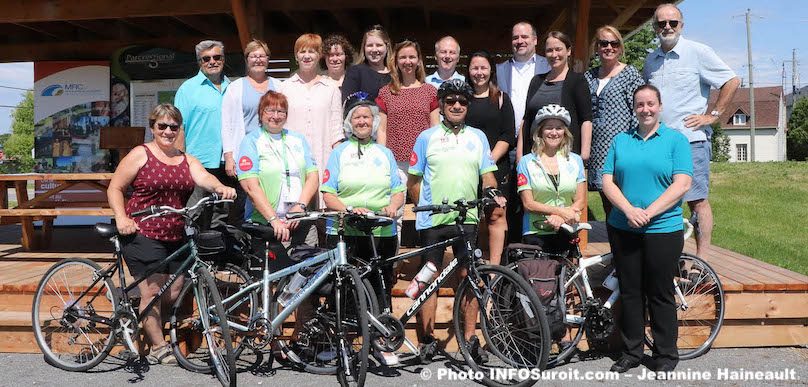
59	89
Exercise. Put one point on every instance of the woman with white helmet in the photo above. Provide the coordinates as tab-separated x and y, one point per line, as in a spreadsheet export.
550	181
363	175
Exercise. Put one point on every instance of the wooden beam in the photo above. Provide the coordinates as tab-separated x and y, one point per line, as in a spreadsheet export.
627	13
298	21
558	23
581	52
40	31
21	11
100	49
192	23
255	19
346	21
240	14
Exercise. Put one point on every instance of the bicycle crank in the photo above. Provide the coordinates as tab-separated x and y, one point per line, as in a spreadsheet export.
393	341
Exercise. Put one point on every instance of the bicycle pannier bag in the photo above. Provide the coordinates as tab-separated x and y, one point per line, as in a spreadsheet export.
544	276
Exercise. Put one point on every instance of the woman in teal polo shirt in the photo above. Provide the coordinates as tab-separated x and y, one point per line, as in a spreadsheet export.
647	171
550	181
363	175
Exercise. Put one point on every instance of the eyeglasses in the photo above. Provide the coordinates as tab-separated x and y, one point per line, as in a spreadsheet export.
257	57
164	126
207	58
607	43
452	99
275	111
662	23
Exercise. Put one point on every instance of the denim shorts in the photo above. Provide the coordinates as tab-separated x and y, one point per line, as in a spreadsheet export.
702	153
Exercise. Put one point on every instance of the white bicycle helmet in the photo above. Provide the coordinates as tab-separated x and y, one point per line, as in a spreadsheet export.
552	111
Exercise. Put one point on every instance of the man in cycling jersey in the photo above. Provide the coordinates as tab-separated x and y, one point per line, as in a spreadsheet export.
447	162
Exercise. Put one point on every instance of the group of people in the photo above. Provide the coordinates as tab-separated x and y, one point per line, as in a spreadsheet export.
369	130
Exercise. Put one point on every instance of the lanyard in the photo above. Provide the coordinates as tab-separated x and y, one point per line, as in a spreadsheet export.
282	155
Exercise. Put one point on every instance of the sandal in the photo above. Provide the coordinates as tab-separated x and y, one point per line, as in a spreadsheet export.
162	355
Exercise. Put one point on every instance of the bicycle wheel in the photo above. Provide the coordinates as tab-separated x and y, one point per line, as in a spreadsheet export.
217	337
574	297
353	336
701	311
512	323
61	316
314	350
186	328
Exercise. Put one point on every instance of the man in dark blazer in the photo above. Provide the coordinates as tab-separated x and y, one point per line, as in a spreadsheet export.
514	75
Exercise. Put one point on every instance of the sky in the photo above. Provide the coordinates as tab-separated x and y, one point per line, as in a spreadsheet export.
778	26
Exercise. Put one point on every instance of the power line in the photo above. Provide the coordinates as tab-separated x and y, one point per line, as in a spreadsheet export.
8	106
15	88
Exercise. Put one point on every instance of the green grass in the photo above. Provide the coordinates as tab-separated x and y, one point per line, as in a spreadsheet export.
759	209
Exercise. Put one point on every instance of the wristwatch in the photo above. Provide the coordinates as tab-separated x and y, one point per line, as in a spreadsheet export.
715	113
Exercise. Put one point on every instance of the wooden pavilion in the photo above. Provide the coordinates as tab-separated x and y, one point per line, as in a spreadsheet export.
37	30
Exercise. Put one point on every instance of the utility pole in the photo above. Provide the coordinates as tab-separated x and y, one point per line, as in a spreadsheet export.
794	77
751	86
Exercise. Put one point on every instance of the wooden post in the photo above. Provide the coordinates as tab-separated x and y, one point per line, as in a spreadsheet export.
240	14
581	60
28	241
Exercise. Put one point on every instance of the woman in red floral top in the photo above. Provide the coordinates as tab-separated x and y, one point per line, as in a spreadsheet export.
160	175
408	105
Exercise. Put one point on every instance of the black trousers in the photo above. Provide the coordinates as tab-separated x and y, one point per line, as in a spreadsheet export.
359	247
646	265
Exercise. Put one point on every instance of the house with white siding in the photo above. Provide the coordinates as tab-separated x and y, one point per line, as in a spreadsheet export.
770	124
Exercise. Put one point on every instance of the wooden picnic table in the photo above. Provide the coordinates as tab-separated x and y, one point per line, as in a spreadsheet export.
45	207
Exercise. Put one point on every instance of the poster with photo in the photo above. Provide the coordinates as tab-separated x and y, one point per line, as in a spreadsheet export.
71	105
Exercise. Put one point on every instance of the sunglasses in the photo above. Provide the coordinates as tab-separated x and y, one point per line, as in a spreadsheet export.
451	100
607	43
662	23
207	58
164	126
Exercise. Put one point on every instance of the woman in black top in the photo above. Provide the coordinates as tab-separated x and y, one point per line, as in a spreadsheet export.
370	72
563	87
491	111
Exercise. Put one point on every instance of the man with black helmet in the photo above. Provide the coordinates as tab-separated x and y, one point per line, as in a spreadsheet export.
447	162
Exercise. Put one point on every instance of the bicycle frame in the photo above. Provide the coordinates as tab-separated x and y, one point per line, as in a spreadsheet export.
124	290
336	257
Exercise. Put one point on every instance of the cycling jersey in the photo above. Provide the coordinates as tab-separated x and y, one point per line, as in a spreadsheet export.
281	162
367	180
532	175
451	166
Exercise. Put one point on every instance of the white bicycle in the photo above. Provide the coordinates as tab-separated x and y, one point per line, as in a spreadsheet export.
698	292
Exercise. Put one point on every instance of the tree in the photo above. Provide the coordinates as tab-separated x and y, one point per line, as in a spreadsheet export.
21	142
636	48
639	45
720	144
797	137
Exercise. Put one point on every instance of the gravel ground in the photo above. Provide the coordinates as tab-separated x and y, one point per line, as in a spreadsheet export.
752	365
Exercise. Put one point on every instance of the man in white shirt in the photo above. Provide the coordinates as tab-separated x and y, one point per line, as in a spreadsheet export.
447	54
514	75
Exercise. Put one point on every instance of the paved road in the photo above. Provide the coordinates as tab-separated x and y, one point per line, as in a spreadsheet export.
21	370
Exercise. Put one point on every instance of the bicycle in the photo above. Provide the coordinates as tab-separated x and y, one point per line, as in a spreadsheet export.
511	318
336	334
79	314
698	293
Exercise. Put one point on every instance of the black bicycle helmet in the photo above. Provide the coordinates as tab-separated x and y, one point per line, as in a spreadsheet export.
455	87
360	98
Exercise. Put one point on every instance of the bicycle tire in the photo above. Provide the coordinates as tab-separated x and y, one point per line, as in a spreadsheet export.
703	318
319	332
58	288
218	338
509	298
185	327
350	304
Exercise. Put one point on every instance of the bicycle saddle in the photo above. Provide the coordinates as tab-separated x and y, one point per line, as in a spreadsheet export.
106	230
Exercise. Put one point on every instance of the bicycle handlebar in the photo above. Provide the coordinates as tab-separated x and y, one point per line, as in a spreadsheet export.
157	211
314	215
458	205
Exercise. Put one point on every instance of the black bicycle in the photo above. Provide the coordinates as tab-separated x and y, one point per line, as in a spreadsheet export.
79	313
511	318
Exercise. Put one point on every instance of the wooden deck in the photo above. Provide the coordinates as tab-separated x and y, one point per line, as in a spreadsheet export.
766	305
